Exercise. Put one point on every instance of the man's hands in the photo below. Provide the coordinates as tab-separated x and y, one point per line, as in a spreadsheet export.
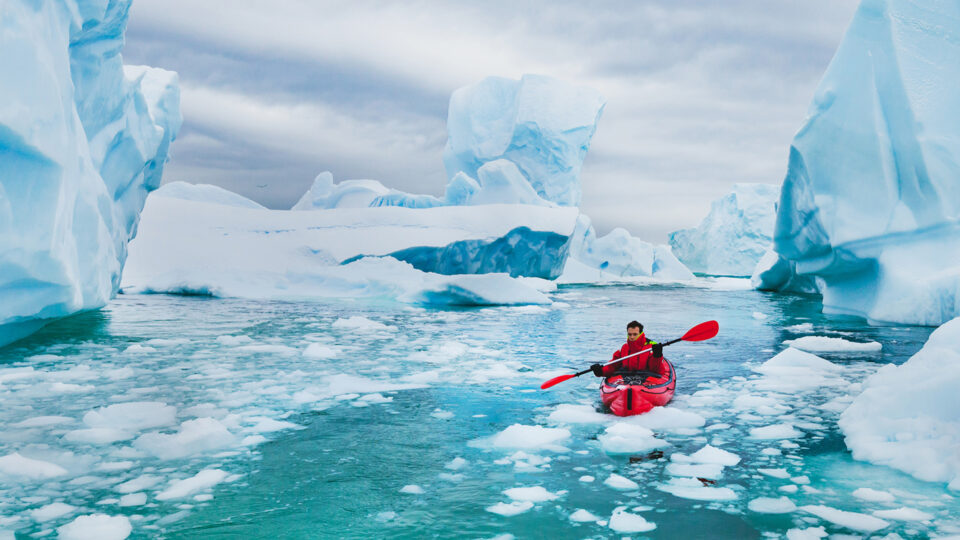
657	350
597	370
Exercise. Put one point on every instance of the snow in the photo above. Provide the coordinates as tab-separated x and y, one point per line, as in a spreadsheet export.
533	494
831	344
202	481
873	495
765	505
850	520
541	124
51	511
15	465
412	489
529	437
96	527
583	516
870	204
735	234
903	514
924	424
620	483
84	140
622	521
510	509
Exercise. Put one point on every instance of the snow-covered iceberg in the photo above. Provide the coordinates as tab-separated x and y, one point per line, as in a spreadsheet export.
871	200
83	139
446	255
908	416
734	235
542	125
325	194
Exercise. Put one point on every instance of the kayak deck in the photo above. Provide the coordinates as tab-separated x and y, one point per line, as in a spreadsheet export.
636	392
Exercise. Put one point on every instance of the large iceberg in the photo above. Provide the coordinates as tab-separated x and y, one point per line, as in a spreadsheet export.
83	139
908	416
542	125
871	201
735	234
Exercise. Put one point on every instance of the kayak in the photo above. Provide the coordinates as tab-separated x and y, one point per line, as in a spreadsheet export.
636	392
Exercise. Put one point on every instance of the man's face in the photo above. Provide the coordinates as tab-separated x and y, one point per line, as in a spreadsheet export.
633	334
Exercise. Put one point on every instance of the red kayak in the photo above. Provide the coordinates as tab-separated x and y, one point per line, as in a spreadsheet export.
636	392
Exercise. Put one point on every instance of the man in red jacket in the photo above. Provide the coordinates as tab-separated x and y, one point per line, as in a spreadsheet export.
650	360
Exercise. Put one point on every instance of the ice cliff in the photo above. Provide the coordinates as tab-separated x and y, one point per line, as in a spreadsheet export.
871	201
735	234
83	139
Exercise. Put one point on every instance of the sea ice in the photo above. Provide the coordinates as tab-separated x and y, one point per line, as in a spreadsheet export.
702	470
850	520
873	495
775	473
811	533
529	437
710	454
622	521
133	499
831	344
132	416
568	413
583	516
620	483
625	437
96	527
532	494
203	480
765	505
51	511
15	465
412	489
194	436
903	514
691	488
510	509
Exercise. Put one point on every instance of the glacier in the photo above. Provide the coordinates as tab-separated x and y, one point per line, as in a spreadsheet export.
83	139
734	236
870	205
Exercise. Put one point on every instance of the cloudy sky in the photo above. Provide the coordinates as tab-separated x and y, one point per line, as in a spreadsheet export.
700	95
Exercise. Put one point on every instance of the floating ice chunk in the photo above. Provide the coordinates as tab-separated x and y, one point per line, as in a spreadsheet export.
96	527
412	489
772	452
43	421
586	479
456	464
51	511
269	425
527	437
510	509
137	348
567	413
621	483
321	352
532	494
850	520
626	438
582	516
702	470
691	488
811	533
101	435
873	495
16	465
194	437
375	398
804	479
133	499
791	361
132	416
775	431
775	473
140	483
711	454
667	418
790	488
831	344
356	323
765	505
201	481
904	514
622	521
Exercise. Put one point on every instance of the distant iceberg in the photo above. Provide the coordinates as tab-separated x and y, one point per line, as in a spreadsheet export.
83	140
871	202
735	234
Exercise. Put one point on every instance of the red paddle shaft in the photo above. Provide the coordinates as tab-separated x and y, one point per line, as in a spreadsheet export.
700	332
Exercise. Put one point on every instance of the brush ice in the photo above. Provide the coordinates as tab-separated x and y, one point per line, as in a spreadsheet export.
870	205
623	521
831	344
926	426
202	481
83	140
567	413
710	454
541	124
132	416
96	527
850	520
734	235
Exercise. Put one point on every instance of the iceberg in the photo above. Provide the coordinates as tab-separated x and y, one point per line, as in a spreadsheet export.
542	125
325	194
923	424
83	139
870	205
734	236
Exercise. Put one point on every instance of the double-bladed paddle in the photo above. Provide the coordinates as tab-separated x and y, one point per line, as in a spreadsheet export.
700	332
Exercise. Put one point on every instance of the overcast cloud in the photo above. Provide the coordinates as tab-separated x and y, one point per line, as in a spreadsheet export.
700	95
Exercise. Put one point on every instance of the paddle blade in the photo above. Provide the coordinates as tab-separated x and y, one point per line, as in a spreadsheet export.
556	380
702	331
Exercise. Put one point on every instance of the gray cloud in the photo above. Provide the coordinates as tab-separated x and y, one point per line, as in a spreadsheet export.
700	95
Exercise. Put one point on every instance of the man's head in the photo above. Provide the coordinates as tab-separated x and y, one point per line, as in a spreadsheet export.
634	331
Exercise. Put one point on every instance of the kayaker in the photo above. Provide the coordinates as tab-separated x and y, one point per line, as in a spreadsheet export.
636	342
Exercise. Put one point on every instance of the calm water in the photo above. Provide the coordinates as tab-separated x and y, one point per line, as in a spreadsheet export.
304	457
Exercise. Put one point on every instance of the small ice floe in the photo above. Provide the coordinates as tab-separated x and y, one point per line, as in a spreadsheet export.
620	483
510	509
96	527
709	454
622	521
357	323
800	328
586	479
790	488
193	437
759	316
533	494
711	471
668	418
412	489
873	495
201	481
372	399
775	431
17	466
320	352
133	499
137	348
265	348
775	473
691	488
43	421
456	464
766	505
811	533
904	514
140	483
51	511
527	437
567	413
850	520
627	438
583	516
831	344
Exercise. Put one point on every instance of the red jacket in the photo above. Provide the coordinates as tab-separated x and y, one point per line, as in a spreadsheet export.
641	362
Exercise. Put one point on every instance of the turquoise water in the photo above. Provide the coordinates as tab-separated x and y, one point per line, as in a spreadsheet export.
306	459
